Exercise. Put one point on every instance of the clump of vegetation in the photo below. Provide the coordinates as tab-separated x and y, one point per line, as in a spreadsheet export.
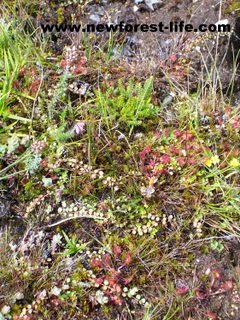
128	104
15	50
111	202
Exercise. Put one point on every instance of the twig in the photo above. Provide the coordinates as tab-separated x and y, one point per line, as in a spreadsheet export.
71	218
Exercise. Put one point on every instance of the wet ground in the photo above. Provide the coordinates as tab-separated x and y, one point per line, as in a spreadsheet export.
145	54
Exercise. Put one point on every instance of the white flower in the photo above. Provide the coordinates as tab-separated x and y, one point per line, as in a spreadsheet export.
215	159
148	191
234	162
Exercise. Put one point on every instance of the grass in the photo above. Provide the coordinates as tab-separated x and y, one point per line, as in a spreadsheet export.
15	48
117	203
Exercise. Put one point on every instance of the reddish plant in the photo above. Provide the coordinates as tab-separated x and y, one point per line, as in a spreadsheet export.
181	287
34	86
202	293
115	277
117	250
210	315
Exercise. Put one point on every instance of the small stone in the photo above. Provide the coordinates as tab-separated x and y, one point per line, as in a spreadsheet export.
19	296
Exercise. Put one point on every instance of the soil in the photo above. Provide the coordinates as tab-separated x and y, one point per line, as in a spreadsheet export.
155	48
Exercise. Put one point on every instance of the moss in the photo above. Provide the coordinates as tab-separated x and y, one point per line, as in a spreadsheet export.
31	190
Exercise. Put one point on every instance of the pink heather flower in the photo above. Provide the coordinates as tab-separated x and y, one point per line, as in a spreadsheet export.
79	127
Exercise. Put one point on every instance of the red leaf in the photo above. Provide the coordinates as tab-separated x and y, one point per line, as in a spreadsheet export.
174	150
106	260
33	72
211	316
166	158
24	181
127	280
55	301
117	250
157	135
147	150
227	285
156	155
162	171
15	84
80	68
152	163
98	280
54	177
142	155
96	263
63	64
187	136
173	58
177	133
117	289
202	293
51	71
21	148
117	300
44	163
181	161
191	161
24	317
112	280
181	287
22	72
34	86
127	259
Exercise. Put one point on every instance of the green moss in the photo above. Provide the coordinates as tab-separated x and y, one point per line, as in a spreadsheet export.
31	191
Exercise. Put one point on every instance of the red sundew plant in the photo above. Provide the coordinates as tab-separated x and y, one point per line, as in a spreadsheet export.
217	284
181	287
80	67
74	61
177	150
216	287
236	122
34	87
146	151
111	274
210	315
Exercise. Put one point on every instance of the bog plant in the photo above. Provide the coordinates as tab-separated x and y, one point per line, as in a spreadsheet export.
14	53
127	104
73	246
109	226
